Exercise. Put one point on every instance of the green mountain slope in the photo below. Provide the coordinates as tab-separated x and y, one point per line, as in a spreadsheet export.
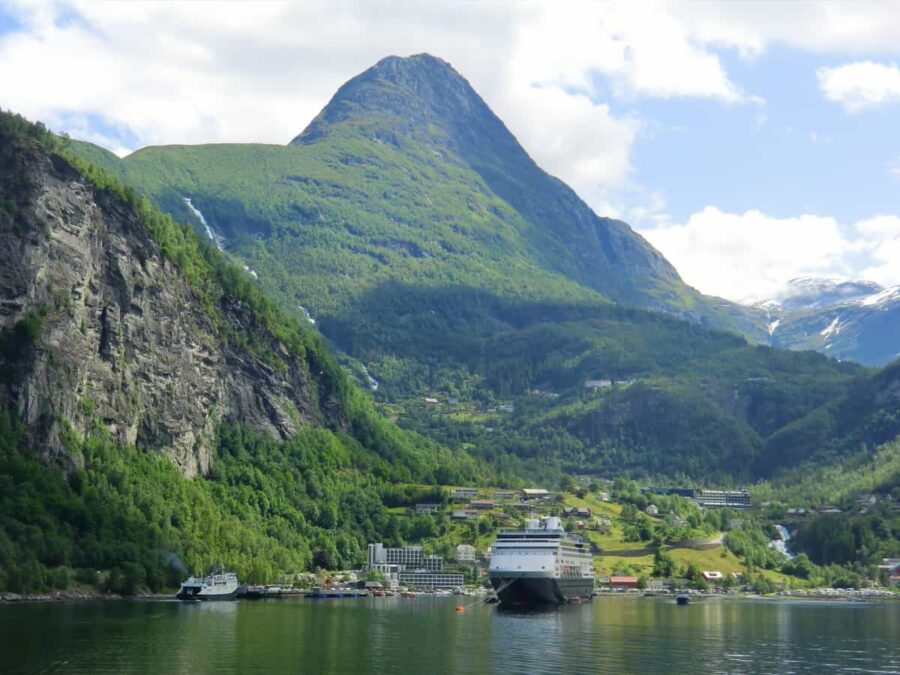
435	254
157	412
408	176
866	416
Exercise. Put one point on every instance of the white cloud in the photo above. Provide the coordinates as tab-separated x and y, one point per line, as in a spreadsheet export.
642	49
860	85
751	256
881	238
859	27
879	226
197	72
739	255
132	73
894	167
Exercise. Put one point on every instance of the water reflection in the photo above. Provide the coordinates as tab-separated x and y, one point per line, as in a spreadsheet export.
424	635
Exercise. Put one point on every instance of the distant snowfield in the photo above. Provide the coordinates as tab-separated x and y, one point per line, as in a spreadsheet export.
828	314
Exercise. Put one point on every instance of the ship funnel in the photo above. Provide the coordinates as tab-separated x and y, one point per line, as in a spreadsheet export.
532	523
553	523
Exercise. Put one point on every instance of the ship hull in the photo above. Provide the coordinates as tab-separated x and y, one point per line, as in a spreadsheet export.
207	597
523	591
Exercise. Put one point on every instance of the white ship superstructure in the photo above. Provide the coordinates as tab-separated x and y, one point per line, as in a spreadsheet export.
217	586
541	564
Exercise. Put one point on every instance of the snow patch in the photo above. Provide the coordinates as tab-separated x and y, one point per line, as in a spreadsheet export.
772	327
832	329
214	236
885	296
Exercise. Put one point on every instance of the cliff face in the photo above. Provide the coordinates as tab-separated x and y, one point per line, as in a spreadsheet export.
124	341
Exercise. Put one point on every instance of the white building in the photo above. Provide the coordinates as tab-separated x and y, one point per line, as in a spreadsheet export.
463	493
426	509
392	560
535	493
465	553
736	499
423	579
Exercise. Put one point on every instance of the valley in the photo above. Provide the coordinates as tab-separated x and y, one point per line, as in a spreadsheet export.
238	351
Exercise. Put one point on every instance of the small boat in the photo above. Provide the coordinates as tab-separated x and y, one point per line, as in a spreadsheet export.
682	599
219	585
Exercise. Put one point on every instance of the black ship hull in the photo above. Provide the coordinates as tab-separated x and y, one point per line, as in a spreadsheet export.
197	597
534	591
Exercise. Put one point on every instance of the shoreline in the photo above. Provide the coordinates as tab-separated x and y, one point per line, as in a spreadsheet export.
813	596
76	596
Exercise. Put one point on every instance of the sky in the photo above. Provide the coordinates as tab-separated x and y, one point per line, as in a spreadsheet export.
750	142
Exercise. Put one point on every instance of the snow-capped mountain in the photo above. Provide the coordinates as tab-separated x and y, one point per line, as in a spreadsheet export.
849	320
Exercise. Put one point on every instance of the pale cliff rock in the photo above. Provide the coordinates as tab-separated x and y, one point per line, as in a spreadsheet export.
125	341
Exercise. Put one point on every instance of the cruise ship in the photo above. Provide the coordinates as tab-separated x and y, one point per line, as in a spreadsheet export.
541	564
219	585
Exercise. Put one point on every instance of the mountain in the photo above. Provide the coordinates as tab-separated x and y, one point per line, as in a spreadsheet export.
407	176
421	103
157	412
440	261
863	418
848	320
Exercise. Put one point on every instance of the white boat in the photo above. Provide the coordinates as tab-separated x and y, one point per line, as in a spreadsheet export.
541	564
219	585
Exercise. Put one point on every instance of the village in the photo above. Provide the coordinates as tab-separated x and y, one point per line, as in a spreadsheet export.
646	540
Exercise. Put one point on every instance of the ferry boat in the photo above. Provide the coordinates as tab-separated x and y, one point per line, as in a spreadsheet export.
541	564
219	585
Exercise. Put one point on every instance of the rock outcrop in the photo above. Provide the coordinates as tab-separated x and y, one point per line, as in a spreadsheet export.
124	341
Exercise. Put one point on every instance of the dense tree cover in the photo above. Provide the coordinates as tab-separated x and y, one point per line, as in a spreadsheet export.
408	289
812	485
267	507
867	416
753	543
445	262
851	537
416	268
218	282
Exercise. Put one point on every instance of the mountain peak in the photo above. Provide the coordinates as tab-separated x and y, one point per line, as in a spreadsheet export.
411	96
422	107
423	62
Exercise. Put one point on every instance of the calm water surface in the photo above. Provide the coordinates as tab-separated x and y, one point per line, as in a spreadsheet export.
425	635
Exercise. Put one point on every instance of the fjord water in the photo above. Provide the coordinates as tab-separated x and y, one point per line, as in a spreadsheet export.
426	635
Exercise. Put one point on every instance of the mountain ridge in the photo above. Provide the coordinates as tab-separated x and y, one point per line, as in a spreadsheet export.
422	96
400	237
847	319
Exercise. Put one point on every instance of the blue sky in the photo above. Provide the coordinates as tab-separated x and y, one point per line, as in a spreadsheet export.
797	152
751	142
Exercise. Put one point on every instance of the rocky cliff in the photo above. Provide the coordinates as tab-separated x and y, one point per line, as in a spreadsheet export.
99	327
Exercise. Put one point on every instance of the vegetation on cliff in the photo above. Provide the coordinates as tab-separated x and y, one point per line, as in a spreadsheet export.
267	505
